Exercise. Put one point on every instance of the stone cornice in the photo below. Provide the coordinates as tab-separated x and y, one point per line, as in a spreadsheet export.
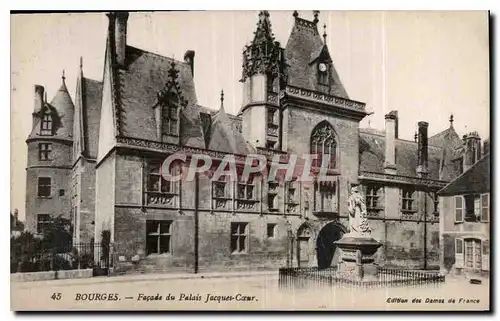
167	148
399	179
316	99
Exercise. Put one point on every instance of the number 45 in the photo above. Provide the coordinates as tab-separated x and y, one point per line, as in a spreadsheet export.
56	296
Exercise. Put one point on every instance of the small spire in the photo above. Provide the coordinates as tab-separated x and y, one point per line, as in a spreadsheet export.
451	120
316	15
295	14
63	75
222	99
324	33
81	62
45	97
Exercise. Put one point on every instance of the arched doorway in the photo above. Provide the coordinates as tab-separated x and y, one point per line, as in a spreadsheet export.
326	250
304	235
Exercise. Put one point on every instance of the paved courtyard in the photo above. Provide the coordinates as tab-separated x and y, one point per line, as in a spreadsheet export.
187	292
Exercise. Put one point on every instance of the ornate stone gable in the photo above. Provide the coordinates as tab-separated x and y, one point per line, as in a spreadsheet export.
172	88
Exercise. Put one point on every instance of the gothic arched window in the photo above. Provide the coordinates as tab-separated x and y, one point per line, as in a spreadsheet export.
324	145
46	125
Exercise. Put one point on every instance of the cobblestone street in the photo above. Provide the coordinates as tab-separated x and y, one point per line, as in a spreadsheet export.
188	292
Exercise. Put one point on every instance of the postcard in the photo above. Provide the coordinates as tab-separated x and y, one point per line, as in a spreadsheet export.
250	160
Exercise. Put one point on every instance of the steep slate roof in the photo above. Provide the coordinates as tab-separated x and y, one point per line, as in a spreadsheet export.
191	129
62	110
225	136
475	180
303	48
447	137
92	97
372	155
144	76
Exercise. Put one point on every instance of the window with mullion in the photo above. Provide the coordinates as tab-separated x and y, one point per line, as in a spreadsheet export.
42	223
156	182
44	151
246	190
407	200
239	234
46	125
158	234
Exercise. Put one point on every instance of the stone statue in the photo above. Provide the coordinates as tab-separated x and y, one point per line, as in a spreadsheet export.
358	223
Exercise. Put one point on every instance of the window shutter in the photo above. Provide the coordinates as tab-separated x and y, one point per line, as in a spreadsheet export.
485	255
485	207
459	253
459	209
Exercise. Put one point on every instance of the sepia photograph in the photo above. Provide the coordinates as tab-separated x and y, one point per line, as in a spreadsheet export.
250	161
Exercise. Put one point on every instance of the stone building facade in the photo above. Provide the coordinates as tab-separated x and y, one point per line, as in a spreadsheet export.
294	103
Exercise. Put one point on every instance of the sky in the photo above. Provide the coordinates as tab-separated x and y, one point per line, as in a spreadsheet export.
427	65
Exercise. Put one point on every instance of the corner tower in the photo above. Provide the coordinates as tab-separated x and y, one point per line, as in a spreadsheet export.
262	79
49	159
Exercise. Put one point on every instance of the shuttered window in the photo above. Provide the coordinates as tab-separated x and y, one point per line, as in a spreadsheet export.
459	209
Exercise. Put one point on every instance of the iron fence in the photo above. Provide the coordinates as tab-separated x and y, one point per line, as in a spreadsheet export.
385	277
38	257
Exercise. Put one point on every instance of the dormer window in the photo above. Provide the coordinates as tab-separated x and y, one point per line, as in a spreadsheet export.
323	74
46	126
170	116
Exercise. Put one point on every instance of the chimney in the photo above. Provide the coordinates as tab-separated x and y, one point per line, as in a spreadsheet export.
118	35
189	59
422	159
39	92
391	120
472	149
486	147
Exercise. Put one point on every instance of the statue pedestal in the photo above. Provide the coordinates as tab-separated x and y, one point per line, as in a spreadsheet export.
357	256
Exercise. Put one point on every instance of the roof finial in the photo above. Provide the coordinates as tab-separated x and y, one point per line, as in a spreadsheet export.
324	33
451	120
222	99
316	14
63	75
415	137
45	97
295	14
81	62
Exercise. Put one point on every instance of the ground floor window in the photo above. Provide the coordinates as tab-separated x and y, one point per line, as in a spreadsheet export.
43	222
239	237
471	253
159	234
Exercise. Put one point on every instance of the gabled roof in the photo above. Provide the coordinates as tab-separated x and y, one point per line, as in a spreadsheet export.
474	180
143	77
304	46
447	137
372	155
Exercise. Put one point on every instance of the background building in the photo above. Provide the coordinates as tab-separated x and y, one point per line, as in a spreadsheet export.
465	221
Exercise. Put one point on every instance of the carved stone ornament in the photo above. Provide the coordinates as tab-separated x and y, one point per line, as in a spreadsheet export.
262	56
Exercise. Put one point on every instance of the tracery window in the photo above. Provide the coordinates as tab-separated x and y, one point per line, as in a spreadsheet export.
324	145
